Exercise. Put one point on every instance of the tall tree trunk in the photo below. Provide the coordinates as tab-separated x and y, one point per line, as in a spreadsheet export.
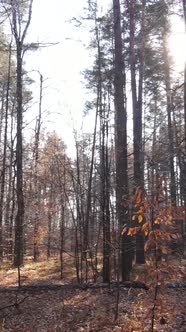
184	154
3	172
49	234
169	119
2	110
140	94
62	236
19	221
105	196
154	163
49	215
184	15
121	144
36	185
136	115
98	103
19	36
137	104
10	208
107	209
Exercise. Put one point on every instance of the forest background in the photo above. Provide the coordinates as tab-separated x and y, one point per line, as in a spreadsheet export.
112	194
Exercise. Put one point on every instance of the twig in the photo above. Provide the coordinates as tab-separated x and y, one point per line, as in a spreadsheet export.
16	304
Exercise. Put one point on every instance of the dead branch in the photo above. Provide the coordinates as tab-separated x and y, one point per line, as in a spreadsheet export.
16	304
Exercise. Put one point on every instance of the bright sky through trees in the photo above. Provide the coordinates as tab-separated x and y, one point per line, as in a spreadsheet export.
61	64
177	43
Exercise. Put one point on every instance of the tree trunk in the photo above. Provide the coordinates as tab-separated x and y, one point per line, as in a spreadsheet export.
137	104
184	154
105	196
169	119
36	185
3	172
19	35
121	145
19	221
49	224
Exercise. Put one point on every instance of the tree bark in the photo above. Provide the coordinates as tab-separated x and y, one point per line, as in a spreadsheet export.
169	120
36	185
121	145
137	105
184	155
19	37
18	250
3	172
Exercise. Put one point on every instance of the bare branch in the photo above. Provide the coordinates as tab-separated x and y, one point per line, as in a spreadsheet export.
28	21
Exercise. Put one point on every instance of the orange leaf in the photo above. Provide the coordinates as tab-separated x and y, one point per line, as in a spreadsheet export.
145	228
133	217
129	231
146	246
157	220
140	218
139	198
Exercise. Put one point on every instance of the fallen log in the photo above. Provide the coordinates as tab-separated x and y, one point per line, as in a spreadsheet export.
84	286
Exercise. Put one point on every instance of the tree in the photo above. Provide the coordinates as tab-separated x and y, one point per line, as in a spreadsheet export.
19	30
184	14
36	161
184	157
3	172
137	104
121	143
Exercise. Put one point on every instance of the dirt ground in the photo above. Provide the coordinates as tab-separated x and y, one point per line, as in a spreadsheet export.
75	310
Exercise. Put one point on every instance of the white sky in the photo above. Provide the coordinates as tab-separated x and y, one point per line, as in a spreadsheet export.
60	65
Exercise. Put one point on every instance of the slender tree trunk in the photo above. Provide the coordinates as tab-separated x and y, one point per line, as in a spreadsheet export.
12	192
80	242
106	226
62	236
62	185
140	93
98	103
121	144
154	166
179	170
36	185
184	14
170	129
137	103
49	235
139	169
184	155
19	36
76	249
19	221
2	110
50	206
136	114
3	172
105	197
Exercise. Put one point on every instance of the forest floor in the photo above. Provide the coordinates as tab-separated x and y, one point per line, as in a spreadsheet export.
75	310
